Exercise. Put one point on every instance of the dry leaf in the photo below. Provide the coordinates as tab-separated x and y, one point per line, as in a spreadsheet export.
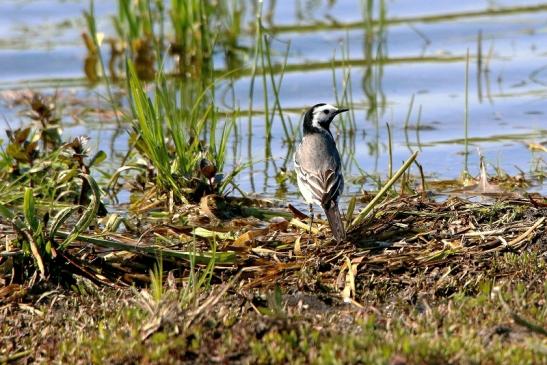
348	294
248	238
297	248
536	147
278	224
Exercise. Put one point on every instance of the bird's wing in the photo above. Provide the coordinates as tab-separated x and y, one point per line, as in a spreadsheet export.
324	186
333	184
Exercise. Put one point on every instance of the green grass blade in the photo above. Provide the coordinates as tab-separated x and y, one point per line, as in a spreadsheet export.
6	212
89	215
225	257
29	210
60	218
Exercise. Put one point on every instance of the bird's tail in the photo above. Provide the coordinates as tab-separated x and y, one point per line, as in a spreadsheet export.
335	221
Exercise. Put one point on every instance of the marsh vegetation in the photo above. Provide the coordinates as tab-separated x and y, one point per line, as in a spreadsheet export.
149	211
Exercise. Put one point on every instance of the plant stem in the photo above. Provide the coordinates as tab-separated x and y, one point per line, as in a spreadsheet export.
383	191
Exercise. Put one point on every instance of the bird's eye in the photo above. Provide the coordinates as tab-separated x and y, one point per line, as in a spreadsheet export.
326	111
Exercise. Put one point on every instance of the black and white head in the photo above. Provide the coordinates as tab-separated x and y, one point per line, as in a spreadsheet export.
319	117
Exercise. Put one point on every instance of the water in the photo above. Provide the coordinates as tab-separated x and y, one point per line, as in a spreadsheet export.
41	48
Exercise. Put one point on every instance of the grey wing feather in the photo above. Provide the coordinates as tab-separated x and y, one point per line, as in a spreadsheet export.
333	184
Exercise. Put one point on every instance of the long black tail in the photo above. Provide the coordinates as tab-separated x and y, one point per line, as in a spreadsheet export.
335	221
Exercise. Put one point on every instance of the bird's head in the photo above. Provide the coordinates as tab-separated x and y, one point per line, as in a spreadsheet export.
320	116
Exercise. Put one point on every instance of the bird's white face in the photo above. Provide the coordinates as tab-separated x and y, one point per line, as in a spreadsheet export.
323	114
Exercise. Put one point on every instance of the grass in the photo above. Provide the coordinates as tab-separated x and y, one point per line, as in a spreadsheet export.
427	279
427	314
180	163
94	48
47	181
187	154
466	119
253	296
186	273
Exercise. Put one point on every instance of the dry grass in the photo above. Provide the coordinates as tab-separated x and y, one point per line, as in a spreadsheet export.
420	282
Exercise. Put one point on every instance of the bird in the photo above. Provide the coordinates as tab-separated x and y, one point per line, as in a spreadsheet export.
318	167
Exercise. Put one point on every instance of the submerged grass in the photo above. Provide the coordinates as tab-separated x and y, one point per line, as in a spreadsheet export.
433	18
466	119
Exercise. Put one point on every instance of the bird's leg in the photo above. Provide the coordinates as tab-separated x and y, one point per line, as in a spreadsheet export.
311	222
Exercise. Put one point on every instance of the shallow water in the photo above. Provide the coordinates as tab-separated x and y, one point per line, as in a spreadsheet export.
425	43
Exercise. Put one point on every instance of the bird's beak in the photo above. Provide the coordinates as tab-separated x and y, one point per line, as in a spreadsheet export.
341	110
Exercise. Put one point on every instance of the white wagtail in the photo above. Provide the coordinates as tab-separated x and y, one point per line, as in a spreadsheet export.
318	167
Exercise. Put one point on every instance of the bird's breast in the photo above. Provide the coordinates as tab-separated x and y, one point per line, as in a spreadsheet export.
317	152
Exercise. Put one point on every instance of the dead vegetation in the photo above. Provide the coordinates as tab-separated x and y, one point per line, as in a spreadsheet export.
229	279
250	285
